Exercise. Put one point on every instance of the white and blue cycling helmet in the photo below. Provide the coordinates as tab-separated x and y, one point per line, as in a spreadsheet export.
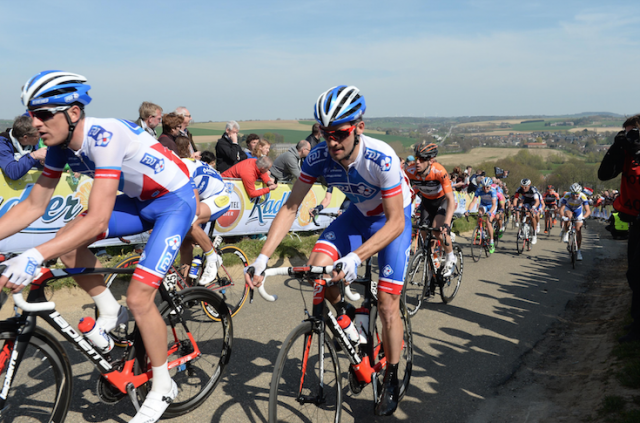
57	88
339	105
575	188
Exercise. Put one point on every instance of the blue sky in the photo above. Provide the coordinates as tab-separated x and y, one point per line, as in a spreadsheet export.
271	59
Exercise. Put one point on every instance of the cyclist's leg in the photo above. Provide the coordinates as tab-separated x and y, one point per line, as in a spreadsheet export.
490	218
171	215
579	230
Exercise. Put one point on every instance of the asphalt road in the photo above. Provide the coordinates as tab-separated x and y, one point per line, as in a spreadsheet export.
462	350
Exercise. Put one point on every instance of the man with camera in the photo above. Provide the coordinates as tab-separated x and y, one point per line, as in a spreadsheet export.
624	157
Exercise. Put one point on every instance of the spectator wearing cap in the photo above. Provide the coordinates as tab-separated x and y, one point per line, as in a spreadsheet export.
171	126
150	116
17	149
410	160
250	170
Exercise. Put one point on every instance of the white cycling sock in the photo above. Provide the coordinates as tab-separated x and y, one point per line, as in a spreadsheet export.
108	309
208	253
451	257
161	381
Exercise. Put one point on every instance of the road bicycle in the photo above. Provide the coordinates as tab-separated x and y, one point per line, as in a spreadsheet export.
480	239
425	273
306	382
229	282
572	245
525	231
36	374
549	218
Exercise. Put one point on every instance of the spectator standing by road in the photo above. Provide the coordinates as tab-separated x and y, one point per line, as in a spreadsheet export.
228	151
171	126
251	141
250	170
150	116
286	166
315	137
622	157
17	152
457	179
184	131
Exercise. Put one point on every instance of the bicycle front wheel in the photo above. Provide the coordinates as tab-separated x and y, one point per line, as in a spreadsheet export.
305	385
476	244
573	249
416	283
230	283
406	355
520	241
130	261
41	389
450	286
205	344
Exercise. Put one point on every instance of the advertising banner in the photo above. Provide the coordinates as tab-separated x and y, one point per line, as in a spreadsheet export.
245	217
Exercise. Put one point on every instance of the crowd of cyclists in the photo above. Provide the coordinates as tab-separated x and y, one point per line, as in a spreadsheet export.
160	191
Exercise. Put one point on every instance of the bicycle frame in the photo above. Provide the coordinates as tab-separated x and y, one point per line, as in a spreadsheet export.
124	380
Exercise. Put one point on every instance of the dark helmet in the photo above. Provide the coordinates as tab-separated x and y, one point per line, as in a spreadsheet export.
426	150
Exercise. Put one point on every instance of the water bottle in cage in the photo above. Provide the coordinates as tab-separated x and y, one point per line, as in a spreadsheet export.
362	323
195	267
95	334
349	329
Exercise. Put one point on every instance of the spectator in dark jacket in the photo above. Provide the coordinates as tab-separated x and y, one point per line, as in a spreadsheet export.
171	126
228	151
286	166
17	152
315	137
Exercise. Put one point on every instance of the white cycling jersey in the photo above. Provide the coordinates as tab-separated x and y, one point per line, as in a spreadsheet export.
375	174
206	179
119	149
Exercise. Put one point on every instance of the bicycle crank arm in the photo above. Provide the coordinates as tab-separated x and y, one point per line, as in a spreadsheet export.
133	396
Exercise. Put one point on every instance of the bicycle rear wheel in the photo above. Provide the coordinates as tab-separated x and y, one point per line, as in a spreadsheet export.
406	356
476	244
299	391
496	232
417	279
229	282
573	249
41	388
190	329
450	286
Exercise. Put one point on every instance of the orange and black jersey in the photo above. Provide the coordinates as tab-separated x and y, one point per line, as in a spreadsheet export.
432	186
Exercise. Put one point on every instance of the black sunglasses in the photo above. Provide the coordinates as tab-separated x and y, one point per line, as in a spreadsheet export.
45	114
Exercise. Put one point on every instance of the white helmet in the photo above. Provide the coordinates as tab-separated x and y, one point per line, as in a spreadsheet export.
575	188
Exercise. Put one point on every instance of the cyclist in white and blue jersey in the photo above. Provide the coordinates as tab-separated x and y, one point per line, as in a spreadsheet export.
488	198
529	197
157	194
214	202
377	221
574	204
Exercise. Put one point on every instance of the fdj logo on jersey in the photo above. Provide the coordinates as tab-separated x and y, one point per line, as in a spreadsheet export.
153	162
100	135
172	244
380	159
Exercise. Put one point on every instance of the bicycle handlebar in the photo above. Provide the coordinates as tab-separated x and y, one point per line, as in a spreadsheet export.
315	216
297	272
19	301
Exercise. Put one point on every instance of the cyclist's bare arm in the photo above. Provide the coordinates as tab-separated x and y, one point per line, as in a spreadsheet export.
587	211
101	202
393	227
281	225
451	207
494	205
26	212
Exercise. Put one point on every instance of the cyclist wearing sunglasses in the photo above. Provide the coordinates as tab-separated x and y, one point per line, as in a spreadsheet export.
432	181
574	204
157	194
377	221
529	197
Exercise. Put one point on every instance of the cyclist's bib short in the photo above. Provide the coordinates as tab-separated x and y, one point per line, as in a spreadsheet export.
429	209
218	204
352	228
169	216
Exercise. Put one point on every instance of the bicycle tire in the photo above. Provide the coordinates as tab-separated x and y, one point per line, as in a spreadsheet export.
496	231
414	289
573	249
476	244
405	364
197	378
129	261
520	241
42	387
296	373
229	282
450	286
